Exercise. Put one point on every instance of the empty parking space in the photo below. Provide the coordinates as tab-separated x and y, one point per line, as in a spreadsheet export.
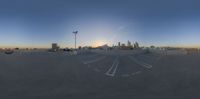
128	68
116	65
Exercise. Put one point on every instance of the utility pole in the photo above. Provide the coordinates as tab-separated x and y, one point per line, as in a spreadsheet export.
75	32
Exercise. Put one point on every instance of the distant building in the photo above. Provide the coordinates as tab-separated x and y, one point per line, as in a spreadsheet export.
55	47
128	44
136	45
119	44
123	45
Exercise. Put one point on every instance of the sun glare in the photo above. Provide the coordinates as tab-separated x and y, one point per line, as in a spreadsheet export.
101	42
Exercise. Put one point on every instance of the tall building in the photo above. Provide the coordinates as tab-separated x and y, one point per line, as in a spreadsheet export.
136	45
119	44
128	43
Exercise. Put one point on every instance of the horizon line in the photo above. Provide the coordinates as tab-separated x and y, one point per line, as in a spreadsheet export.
45	47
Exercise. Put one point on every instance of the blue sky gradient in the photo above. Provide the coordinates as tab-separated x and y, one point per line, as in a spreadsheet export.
38	23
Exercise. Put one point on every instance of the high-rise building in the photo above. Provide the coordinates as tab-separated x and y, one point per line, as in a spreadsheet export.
136	45
119	44
128	43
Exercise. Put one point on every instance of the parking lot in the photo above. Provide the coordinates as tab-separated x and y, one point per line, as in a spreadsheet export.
98	75
119	65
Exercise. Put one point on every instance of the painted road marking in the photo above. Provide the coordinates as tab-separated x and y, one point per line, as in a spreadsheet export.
138	72
112	70
140	62
94	60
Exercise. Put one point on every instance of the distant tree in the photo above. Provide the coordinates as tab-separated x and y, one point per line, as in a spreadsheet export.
90	47
16	48
152	46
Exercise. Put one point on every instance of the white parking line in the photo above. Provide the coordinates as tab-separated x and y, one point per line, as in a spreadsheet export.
94	60
114	65
138	72
140	63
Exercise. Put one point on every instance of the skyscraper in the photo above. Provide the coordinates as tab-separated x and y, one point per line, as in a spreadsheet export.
119	44
129	43
136	45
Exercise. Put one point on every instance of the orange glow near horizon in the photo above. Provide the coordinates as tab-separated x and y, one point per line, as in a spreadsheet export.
101	42
95	43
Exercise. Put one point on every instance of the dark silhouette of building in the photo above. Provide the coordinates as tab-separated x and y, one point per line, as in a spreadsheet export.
55	47
136	45
119	44
128	43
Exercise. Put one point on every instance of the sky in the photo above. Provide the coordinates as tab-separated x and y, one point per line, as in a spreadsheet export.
38	23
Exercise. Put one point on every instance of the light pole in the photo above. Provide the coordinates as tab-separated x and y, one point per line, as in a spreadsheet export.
75	32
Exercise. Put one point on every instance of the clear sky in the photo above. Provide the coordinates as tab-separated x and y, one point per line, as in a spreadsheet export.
38	23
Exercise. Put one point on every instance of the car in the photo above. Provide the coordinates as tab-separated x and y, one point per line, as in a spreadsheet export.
9	51
68	50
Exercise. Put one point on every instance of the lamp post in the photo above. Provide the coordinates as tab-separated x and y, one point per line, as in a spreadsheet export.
75	32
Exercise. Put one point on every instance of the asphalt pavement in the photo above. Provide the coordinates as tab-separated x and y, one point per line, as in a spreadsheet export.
91	75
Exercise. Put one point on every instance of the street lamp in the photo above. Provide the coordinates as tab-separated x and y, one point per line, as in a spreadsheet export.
75	32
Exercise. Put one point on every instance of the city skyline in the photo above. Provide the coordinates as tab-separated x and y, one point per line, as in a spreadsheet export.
38	23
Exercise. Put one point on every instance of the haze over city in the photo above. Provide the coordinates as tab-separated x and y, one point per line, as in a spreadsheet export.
38	23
